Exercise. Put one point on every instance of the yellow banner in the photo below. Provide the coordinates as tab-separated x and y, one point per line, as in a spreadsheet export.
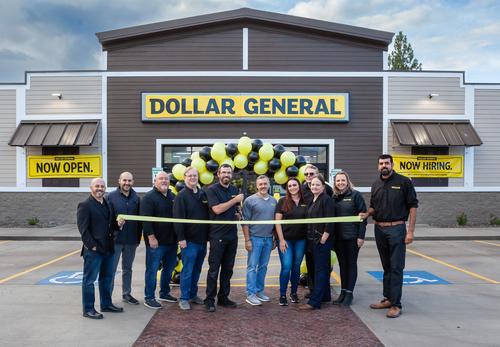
164	107
431	166
64	166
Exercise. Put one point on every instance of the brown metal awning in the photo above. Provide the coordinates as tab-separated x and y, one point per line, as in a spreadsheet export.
46	133
435	133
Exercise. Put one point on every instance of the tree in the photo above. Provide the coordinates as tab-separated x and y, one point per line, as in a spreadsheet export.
401	58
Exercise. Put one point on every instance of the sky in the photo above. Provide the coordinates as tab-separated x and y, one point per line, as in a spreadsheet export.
451	35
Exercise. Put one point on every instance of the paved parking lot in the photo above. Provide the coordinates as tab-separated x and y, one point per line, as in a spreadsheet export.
463	312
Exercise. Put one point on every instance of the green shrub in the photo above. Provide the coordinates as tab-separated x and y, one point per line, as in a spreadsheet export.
462	219
494	220
33	221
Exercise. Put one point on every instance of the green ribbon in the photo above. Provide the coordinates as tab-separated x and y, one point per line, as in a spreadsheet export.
347	219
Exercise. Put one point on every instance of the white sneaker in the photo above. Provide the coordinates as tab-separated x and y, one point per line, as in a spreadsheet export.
184	305
253	300
262	297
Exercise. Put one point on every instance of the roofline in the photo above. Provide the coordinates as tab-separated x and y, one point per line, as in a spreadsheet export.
380	37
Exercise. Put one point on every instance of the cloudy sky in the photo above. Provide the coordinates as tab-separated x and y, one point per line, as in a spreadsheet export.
455	35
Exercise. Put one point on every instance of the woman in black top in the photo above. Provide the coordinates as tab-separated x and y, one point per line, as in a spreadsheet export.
292	238
349	237
320	239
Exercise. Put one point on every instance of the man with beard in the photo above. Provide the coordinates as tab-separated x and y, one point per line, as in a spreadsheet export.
160	239
223	201
124	200
393	202
95	223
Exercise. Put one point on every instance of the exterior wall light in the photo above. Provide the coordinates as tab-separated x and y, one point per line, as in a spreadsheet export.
57	95
433	95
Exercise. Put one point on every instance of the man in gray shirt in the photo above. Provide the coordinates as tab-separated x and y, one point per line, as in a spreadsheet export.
258	239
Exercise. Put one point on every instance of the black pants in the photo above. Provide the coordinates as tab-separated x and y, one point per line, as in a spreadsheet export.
347	254
310	265
392	250
221	256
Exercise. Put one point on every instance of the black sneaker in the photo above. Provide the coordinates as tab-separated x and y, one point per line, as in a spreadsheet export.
308	295
210	306
152	303
227	303
130	299
294	298
283	301
167	298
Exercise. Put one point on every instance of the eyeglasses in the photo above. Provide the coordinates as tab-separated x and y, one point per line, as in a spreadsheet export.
309	173
190	176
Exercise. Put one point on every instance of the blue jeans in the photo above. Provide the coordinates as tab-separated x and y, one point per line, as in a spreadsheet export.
127	253
290	265
321	291
95	264
167	255
192	261
257	262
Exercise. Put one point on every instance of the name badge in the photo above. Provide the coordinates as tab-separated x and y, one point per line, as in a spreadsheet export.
396	187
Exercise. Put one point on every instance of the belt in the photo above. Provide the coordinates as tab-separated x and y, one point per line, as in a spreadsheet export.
390	224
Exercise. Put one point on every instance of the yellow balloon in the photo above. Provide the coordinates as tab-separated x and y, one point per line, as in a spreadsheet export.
206	177
218	151
260	167
280	177
199	164
229	161
287	159
244	145
301	175
195	155
266	152
240	161
178	171
173	190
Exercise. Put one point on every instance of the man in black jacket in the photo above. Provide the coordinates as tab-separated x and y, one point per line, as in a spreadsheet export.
191	203
95	223
160	239
124	200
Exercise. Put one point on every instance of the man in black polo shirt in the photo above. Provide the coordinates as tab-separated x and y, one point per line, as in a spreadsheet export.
224	202
393	202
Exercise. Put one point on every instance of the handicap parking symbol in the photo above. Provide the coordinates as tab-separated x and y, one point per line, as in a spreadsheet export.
64	278
413	277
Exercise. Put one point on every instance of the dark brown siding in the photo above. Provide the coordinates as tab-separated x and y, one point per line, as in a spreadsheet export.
209	49
274	49
132	143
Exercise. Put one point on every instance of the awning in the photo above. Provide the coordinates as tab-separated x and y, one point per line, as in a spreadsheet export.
46	133
435	133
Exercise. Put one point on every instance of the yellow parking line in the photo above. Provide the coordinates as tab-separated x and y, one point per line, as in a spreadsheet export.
470	273
488	243
6	279
3	242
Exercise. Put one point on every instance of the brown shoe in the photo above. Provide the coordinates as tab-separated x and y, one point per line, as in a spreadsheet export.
394	312
384	303
306	307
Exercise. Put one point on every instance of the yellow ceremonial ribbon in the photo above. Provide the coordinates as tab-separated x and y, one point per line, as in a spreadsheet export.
347	219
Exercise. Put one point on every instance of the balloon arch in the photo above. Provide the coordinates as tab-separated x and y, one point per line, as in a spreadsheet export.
250	155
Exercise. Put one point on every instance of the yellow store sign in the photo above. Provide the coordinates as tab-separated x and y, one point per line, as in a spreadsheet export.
245	107
64	166
431	166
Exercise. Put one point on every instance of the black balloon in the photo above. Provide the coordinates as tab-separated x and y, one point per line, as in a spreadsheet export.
212	166
205	153
274	165
278	150
172	179
231	149
249	167
180	186
256	144
300	161
253	157
187	162
292	171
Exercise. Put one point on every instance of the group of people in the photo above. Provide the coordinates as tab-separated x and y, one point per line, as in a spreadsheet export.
105	239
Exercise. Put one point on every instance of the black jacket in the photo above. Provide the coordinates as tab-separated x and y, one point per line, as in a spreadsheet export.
95	224
350	204
324	206
120	204
156	204
188	205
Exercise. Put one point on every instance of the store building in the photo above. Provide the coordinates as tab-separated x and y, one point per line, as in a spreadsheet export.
285	71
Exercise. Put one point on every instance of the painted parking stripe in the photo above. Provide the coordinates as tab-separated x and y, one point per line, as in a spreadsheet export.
6	279
470	273
1	242
488	243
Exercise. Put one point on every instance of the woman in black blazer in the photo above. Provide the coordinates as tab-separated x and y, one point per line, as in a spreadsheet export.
320	240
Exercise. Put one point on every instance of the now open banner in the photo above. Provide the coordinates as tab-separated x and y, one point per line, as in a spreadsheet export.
430	166
64	166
